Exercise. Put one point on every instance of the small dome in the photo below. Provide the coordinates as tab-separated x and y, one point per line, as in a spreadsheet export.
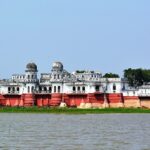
31	67
57	66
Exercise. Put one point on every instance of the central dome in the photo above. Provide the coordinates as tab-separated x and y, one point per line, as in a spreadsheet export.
31	67
57	66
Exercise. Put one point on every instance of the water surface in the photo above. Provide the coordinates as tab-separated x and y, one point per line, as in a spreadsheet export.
75	132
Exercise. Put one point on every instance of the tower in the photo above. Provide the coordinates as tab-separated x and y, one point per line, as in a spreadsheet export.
31	82
31	77
57	83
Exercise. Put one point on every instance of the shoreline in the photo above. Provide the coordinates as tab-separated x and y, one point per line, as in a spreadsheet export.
71	110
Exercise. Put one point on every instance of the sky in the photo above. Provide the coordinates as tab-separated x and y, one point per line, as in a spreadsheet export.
101	35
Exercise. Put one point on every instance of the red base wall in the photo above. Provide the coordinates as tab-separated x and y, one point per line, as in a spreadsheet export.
55	99
115	98
72	100
42	100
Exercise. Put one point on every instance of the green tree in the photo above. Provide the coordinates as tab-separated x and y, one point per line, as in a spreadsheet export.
111	75
137	77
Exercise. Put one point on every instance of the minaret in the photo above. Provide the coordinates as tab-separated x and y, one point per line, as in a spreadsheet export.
31	77
31	84
57	84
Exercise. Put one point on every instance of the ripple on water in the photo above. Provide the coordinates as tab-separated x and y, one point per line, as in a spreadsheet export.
78	132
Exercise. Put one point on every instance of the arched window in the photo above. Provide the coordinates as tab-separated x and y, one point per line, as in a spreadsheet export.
58	89
74	88
28	76
123	88
50	89
9	89
13	89
40	88
54	89
32	76
45	89
32	88
78	88
28	89
18	89
55	76
106	88
114	88
97	88
83	89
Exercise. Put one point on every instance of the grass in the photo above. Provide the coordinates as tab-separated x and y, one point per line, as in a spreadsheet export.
71	110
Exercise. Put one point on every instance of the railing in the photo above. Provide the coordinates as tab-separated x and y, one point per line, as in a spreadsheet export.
43	92
75	92
13	92
144	94
110	79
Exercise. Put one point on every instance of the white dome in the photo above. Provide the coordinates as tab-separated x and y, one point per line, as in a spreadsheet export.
31	67
57	66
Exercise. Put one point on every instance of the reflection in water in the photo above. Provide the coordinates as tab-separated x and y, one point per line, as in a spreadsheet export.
75	132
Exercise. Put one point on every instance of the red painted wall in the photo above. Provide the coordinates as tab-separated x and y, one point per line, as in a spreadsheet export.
56	99
42	99
115	98
72	100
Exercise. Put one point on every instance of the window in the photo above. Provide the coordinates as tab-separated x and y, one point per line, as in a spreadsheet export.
114	88
50	89
106	88
45	89
40	88
74	88
13	89
54	76
28	89
97	88
83	89
78	88
9	89
18	89
54	89
58	89
32	89
123	88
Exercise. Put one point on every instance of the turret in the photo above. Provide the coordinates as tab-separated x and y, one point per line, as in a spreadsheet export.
31	77
31	72
57	71
57	77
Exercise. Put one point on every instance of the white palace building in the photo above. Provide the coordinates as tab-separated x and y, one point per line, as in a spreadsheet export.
82	89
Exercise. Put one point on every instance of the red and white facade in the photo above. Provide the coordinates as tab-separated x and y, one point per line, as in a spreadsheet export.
82	89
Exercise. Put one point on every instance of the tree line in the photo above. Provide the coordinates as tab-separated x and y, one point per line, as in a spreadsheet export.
135	77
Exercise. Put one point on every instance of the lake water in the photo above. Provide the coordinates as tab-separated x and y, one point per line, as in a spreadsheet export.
75	132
